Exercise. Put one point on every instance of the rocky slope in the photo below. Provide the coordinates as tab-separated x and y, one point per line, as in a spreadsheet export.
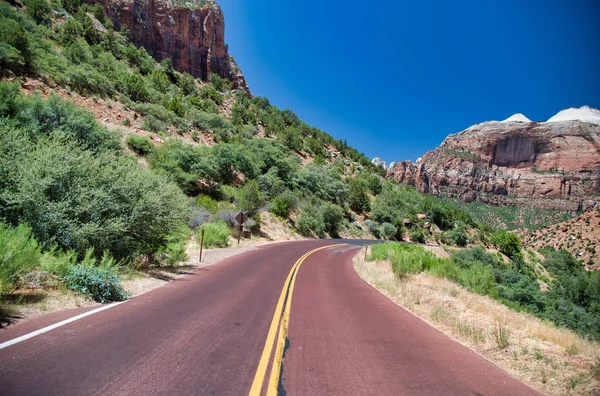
550	165
193	38
580	236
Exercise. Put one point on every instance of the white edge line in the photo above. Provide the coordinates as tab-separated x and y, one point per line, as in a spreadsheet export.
56	325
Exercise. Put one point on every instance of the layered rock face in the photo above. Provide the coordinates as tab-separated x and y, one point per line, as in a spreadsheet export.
552	165
194	39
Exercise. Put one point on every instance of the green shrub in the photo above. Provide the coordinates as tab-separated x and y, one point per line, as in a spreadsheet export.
358	198
478	278
134	86
58	263
445	268
310	221
388	231
140	144
76	199
206	202
40	11
283	204
417	235
174	251
216	234
507	243
101	283
250	199
333	215
19	253
220	84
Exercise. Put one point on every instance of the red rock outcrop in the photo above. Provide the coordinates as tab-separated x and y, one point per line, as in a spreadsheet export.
194	39
552	165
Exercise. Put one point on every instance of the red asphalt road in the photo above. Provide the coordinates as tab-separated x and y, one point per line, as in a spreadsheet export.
204	334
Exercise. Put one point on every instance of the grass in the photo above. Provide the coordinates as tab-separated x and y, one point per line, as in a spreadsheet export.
501	335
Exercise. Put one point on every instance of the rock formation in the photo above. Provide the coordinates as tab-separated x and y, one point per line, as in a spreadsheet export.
553	165
193	38
379	162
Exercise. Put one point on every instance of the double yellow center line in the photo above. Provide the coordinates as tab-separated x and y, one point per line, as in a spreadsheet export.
280	322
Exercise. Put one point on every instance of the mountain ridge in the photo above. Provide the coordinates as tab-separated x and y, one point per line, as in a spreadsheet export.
551	165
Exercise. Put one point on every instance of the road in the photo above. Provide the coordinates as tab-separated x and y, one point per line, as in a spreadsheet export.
222	331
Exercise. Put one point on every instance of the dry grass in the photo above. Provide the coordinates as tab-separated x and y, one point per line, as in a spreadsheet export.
553	359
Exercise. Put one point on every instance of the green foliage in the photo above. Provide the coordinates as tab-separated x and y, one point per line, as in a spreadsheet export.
64	193
54	117
135	87
358	197
19	254
57	262
417	235
216	234
283	204
333	215
40	11
140	144
310	221
388	231
15	49
219	83
508	243
250	199
99	282
71	6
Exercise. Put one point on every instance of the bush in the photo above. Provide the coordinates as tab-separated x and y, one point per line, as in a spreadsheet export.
19	254
40	11
216	234
58	263
388	231
250	199
478	278
310	221
333	215
283	204
75	199
358	198
140	144
507	243
417	236
101	283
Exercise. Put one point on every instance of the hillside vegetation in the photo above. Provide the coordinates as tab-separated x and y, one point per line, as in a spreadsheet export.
82	194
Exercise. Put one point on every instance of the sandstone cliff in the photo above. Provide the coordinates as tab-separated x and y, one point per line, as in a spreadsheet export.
553	165
194	38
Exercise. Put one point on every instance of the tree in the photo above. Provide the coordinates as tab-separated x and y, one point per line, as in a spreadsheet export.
508	243
332	217
40	11
250	198
358	197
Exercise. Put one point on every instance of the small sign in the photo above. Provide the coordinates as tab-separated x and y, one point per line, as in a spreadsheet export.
240	218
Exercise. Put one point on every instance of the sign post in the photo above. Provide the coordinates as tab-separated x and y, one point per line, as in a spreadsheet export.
201	244
240	219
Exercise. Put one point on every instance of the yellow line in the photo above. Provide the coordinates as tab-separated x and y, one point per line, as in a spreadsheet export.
278	319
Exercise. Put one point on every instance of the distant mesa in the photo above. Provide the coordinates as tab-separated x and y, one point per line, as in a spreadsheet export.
583	114
516	118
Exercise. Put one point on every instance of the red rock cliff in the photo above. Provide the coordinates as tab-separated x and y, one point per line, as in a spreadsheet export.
552	165
194	39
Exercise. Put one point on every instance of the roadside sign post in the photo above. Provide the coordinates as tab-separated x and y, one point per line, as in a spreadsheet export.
240	219
201	244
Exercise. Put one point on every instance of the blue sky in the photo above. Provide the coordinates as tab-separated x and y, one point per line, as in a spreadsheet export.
395	78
